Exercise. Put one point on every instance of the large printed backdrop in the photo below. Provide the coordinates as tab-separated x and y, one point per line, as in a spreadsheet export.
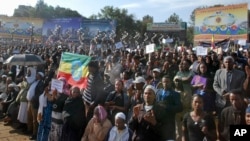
20	27
222	22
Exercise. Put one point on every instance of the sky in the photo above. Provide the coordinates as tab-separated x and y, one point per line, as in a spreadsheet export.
160	10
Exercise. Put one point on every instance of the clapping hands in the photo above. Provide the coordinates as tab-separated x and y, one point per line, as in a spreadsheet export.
150	117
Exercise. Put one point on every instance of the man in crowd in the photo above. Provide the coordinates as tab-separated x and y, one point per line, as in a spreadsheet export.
227	79
35	90
93	94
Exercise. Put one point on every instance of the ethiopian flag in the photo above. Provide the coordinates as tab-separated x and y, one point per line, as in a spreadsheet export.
74	68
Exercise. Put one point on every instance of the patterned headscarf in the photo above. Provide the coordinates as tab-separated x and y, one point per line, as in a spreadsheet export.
102	113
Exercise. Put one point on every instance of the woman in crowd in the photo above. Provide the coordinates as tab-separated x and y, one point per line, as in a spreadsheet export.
202	84
197	125
120	132
58	100
184	76
74	120
44	114
98	127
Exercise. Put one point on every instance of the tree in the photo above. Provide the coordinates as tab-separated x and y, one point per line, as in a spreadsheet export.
147	19
93	17
190	35
42	10
174	18
24	11
125	21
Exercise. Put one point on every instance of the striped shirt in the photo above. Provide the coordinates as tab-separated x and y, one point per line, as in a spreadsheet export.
87	92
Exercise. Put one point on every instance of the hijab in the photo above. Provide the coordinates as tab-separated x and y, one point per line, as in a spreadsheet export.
102	113
30	79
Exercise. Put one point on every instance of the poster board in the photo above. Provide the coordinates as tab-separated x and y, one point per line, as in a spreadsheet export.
150	48
57	84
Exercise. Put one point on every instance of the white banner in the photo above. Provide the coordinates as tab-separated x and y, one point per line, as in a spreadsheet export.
118	45
57	84
168	40
150	48
201	51
242	42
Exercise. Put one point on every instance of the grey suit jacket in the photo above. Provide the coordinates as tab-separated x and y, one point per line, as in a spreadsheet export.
220	81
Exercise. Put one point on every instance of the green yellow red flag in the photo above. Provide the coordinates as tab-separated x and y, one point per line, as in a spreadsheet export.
74	68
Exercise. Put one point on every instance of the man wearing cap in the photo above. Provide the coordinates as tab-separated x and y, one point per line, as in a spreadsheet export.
120	132
35	90
139	85
149	119
156	77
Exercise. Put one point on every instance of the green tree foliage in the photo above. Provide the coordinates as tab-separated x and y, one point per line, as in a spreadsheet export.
24	11
42	10
125	21
147	19
93	17
174	18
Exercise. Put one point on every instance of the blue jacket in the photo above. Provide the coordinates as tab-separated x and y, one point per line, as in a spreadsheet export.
171	99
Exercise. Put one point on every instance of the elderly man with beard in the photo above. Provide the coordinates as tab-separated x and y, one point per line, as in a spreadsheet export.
120	132
149	119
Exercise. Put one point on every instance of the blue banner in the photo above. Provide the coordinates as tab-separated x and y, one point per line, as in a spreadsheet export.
91	28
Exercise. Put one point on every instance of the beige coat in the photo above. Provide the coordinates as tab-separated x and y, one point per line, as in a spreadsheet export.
96	131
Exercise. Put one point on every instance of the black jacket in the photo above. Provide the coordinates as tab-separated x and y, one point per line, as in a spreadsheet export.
38	91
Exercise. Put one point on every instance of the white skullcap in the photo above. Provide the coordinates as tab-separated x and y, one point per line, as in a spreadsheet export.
120	115
139	79
152	88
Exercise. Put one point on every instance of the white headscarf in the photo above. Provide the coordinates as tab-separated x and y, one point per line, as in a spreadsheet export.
32	77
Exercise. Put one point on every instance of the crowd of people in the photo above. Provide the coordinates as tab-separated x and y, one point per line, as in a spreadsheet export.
130	96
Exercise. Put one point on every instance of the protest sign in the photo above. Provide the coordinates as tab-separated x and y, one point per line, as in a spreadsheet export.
150	48
118	45
57	84
201	51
